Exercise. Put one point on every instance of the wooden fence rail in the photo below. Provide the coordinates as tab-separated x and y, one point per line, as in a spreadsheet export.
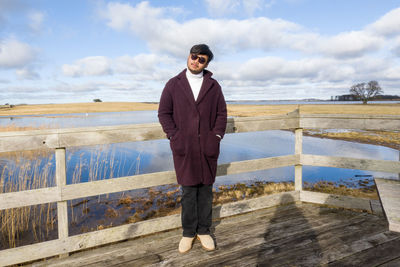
61	139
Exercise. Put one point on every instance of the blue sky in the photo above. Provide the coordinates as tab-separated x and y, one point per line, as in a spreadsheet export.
76	51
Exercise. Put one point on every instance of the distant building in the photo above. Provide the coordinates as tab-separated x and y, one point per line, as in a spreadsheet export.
346	98
354	97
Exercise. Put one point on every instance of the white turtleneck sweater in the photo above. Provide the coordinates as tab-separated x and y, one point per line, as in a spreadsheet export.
195	81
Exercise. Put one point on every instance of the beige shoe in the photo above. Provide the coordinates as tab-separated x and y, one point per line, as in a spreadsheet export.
207	242
185	244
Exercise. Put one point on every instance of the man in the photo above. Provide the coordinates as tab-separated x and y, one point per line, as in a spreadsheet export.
193	115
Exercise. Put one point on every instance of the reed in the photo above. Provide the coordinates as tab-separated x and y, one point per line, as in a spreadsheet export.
36	169
31	223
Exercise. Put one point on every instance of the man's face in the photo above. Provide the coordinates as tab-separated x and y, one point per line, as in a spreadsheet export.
194	65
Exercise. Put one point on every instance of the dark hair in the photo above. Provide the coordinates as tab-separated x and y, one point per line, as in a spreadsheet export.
202	49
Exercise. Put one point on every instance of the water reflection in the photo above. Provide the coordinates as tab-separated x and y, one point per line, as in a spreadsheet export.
81	119
126	159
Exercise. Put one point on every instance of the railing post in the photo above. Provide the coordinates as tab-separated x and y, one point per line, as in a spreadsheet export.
62	209
298	168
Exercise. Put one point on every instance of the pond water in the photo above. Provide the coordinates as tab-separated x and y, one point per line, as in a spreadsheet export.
304	102
117	160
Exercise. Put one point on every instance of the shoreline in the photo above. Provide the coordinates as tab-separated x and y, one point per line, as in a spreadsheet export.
391	140
239	110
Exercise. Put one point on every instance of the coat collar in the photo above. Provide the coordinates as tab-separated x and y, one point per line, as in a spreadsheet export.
205	87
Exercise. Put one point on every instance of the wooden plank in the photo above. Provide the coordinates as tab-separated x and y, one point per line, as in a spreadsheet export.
351	163
56	138
312	236
257	164
296	240
298	177
243	206
372	256
298	169
262	123
29	197
110	135
62	209
123	232
347	121
160	243
376	207
336	200
29	140
86	136
107	186
389	195
81	190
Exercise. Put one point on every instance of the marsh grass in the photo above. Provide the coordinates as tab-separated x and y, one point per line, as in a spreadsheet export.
36	169
389	139
364	188
39	223
26	171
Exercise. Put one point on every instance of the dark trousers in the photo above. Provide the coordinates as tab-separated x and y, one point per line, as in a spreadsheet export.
196	210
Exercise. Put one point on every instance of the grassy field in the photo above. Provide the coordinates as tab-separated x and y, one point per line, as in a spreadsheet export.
233	110
389	139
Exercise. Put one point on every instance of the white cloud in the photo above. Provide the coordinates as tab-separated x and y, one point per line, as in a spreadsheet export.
143	67
232	35
36	20
388	25
228	35
250	6
392	73
88	66
351	44
396	47
142	63
270	70
221	7
27	74
15	54
137	18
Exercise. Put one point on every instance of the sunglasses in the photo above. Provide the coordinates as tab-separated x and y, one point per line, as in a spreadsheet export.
202	60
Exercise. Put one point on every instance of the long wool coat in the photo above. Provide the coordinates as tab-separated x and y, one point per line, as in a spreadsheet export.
192	127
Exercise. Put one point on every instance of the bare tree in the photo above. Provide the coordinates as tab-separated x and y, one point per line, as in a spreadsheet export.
366	92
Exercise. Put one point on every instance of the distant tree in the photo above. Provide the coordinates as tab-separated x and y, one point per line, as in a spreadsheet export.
97	100
366	92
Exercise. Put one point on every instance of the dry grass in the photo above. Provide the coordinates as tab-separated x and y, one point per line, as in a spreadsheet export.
31	222
383	138
266	110
76	108
331	188
233	109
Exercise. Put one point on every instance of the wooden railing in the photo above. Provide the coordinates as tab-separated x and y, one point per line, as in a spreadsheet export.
60	139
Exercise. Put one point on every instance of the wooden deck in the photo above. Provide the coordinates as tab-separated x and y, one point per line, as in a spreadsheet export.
300	234
389	194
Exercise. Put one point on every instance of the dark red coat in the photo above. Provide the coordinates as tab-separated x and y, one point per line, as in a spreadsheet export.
192	127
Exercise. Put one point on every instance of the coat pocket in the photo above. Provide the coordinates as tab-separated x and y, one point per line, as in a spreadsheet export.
177	144
212	145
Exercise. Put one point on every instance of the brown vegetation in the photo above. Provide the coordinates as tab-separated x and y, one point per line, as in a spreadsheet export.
364	191
76	108
383	138
39	221
233	109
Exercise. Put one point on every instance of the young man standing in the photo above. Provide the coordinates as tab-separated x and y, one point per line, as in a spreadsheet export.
192	113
